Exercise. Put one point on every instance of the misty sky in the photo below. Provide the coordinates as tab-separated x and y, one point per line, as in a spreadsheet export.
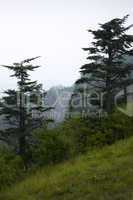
55	30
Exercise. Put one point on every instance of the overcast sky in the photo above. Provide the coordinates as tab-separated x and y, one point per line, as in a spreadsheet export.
55	30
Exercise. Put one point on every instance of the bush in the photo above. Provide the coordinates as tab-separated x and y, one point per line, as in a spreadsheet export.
11	167
50	147
116	127
77	135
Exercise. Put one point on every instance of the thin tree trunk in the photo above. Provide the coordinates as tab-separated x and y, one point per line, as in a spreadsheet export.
22	140
125	95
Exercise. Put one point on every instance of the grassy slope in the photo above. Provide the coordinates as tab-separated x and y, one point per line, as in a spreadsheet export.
100	175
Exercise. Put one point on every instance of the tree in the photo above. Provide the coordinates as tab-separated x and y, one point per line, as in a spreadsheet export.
23	109
107	70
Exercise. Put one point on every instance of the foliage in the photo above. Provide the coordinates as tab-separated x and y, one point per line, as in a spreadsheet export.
108	69
11	168
71	138
77	135
100	174
51	146
22	108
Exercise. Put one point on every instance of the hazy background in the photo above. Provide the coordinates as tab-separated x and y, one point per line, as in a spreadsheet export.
55	30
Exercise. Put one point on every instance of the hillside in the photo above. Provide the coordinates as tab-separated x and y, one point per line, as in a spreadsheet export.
105	174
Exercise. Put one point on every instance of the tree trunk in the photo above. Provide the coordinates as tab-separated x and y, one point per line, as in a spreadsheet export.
125	95
109	102
22	145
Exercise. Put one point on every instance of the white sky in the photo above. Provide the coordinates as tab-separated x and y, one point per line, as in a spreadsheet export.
55	30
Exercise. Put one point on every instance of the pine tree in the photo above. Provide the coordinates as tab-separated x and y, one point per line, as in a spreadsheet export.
23	109
107	70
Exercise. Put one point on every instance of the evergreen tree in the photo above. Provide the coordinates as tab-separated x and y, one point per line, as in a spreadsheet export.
107	71
23	109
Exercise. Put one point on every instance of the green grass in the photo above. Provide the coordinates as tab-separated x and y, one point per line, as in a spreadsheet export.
105	174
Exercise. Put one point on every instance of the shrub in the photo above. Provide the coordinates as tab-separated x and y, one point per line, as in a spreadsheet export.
11	167
50	147
77	135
